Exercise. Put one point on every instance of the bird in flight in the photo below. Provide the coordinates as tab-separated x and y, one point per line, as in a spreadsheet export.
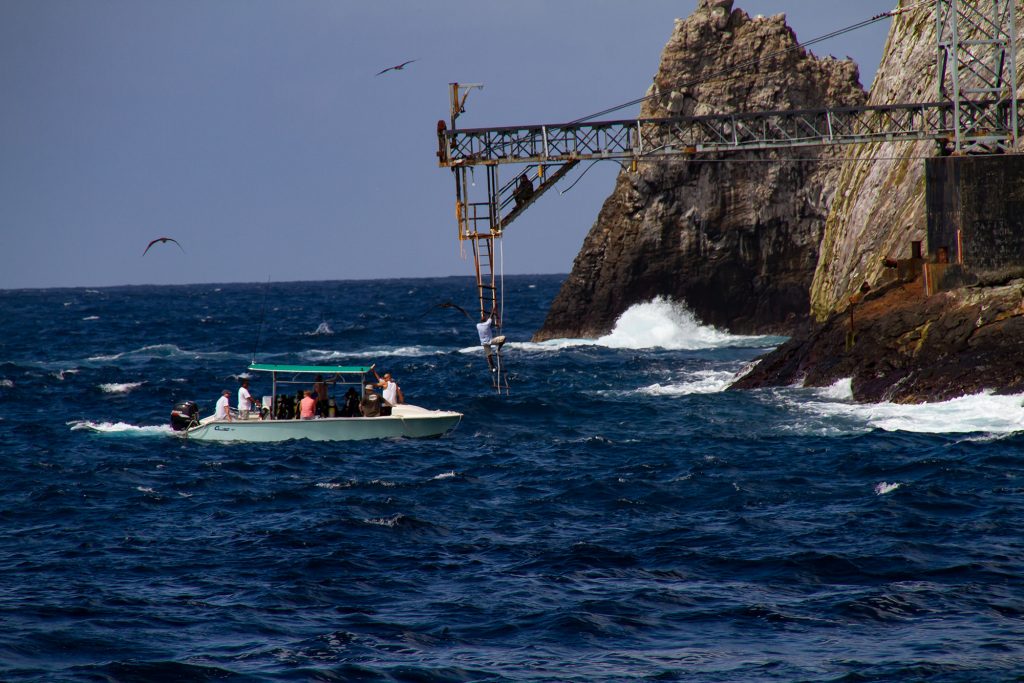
163	239
398	67
448	304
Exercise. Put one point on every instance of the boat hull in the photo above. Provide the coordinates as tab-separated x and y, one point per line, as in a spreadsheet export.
406	421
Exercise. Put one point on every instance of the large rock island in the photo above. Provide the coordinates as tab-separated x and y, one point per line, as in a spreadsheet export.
812	245
734	237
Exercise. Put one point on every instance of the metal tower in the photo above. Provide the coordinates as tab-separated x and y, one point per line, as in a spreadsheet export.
977	72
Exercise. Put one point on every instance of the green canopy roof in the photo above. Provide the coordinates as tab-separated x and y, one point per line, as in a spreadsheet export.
310	369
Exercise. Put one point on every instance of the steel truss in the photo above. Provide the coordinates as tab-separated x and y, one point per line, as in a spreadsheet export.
721	133
976	112
977	69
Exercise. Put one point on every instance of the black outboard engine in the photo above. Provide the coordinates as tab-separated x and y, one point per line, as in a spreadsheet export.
184	415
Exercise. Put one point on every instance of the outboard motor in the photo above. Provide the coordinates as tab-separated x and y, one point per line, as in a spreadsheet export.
184	415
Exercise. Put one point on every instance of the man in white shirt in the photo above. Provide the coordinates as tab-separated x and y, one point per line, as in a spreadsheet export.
485	329
245	402
223	407
392	392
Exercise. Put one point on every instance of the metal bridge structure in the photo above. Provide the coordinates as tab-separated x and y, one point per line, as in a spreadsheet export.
975	112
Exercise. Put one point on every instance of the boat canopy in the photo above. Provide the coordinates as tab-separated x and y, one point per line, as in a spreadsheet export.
311	369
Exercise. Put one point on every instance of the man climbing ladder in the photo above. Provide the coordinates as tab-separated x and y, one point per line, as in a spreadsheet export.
492	344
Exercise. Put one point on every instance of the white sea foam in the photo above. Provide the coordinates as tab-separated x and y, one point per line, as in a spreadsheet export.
659	323
985	412
7	383
322	329
119	388
325	355
386	521
665	324
158	351
91	317
700	382
884	487
841	390
445	475
333	485
120	428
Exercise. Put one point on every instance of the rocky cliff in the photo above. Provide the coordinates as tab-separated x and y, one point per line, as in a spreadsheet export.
879	204
896	345
737	237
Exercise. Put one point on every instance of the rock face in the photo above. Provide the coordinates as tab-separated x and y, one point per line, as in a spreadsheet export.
736	238
899	346
879	207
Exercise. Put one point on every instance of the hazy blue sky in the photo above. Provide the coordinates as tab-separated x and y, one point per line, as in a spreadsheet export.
256	133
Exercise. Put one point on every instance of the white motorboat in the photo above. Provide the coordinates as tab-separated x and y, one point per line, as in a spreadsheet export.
277	420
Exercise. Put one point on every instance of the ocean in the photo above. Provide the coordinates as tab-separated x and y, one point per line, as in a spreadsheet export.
618	516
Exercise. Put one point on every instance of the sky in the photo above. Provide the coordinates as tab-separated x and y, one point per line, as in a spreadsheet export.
257	134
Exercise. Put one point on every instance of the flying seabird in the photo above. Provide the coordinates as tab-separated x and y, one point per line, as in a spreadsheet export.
399	67
163	239
448	304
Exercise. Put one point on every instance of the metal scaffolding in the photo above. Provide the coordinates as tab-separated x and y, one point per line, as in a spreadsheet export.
976	113
977	68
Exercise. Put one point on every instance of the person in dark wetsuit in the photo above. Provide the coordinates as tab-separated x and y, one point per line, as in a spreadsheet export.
351	405
523	191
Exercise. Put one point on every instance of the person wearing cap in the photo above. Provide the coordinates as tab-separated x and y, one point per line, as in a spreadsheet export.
307	406
223	406
370	405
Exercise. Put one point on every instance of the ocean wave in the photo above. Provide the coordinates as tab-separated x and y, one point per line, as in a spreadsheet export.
700	382
884	487
321	329
659	323
324	355
119	387
985	412
120	428
158	351
7	383
662	323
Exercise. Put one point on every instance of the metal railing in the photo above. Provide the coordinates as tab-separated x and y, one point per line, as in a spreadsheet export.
637	138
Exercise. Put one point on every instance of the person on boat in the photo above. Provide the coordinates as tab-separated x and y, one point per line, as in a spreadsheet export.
371	403
392	392
307	406
485	328
223	411
351	405
320	395
245	400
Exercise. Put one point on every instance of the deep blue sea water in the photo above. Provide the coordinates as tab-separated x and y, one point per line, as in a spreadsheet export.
618	516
